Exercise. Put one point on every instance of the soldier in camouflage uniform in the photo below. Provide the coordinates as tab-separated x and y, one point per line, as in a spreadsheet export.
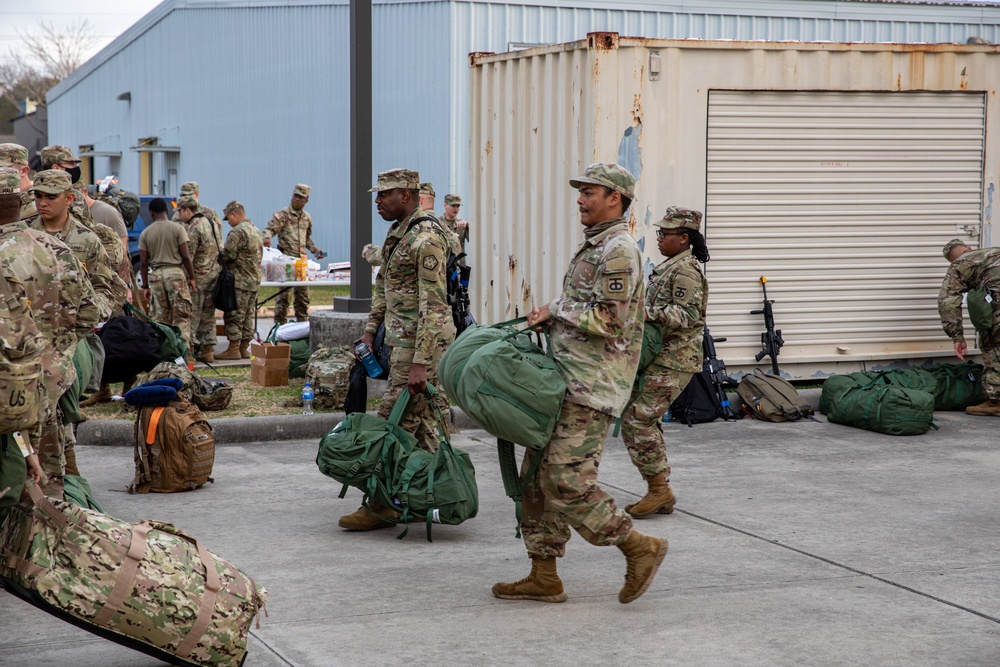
204	247
242	253
676	299
595	331
64	309
192	189
410	297
167	272
293	227
427	196
16	156
454	224
53	198
973	269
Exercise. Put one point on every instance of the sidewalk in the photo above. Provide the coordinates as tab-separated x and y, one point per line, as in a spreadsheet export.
805	543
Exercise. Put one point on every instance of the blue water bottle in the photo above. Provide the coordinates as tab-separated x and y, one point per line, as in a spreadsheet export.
668	416
371	364
307	399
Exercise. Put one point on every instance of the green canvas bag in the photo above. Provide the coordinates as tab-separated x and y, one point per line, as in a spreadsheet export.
77	490
501	378
172	345
885	408
958	385
980	310
13	474
772	398
299	353
363	450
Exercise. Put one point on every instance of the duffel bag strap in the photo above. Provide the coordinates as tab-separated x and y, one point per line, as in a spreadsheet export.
399	407
509	323
124	580
513	484
208	600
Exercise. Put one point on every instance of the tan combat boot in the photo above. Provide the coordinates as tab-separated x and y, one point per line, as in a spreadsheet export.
245	349
369	519
659	499
990	408
543	584
232	353
643	555
207	354
102	396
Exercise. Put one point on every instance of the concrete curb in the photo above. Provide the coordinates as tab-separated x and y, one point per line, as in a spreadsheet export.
230	430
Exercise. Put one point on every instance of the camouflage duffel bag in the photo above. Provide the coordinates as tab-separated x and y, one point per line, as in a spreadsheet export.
147	585
211	394
329	374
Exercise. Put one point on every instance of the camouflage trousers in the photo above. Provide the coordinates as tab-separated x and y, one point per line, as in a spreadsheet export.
49	439
989	345
301	305
203	311
239	322
421	418
642	428
567	493
170	299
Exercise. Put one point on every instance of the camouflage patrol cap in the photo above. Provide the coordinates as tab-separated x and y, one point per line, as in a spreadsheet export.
680	218
188	202
453	200
407	179
427	189
13	155
610	175
52	181
189	189
230	207
302	190
951	245
10	181
53	154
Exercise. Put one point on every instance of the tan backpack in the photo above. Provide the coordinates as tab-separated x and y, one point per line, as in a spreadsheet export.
174	449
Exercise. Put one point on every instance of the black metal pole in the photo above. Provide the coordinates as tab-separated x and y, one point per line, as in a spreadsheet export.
361	158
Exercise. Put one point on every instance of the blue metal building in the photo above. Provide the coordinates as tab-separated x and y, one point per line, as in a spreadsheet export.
249	97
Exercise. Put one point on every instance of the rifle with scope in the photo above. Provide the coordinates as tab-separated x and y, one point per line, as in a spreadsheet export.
771	340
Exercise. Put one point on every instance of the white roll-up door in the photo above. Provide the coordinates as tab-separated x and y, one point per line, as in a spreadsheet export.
843	201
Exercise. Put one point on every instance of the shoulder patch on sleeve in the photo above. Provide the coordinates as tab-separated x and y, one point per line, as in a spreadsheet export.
430	262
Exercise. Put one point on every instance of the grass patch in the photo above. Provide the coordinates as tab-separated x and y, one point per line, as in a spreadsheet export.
249	400
319	295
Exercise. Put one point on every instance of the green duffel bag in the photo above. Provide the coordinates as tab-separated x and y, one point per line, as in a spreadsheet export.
439	487
13	473
503	380
885	408
958	385
172	345
652	344
77	490
836	387
980	310
83	362
363	450
911	378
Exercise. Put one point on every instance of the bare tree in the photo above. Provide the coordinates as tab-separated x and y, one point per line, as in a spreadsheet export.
44	57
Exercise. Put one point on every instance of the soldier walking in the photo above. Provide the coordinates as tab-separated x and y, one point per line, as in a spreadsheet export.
293	227
970	270
163	247
676	301
242	253
205	248
595	330
410	297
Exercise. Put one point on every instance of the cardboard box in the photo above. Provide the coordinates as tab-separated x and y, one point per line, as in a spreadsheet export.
269	363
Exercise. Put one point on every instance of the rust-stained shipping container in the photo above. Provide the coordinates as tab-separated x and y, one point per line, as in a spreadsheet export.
838	171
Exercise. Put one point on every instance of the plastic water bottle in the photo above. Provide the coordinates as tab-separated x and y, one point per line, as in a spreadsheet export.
372	366
668	416
307	399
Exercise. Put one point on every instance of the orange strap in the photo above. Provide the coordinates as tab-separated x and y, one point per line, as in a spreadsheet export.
154	422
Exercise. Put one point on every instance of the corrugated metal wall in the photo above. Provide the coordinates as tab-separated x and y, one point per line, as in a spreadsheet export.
927	174
255	92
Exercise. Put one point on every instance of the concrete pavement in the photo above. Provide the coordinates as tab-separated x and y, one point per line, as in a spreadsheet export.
805	543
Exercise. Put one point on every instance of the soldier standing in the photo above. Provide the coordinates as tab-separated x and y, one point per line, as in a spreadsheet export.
293	227
163	247
205	248
410	297
676	300
63	307
451	221
242	253
16	156
427	196
595	330
192	189
969	270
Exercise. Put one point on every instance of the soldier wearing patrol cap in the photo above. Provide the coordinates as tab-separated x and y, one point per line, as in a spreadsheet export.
411	299
192	189
242	253
62	304
676	301
427	196
595	334
293	227
973	270
204	246
16	156
451	221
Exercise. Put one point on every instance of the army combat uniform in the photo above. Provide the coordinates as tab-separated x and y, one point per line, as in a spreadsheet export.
191	189
974	269
294	231
242	253
169	289
204	247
